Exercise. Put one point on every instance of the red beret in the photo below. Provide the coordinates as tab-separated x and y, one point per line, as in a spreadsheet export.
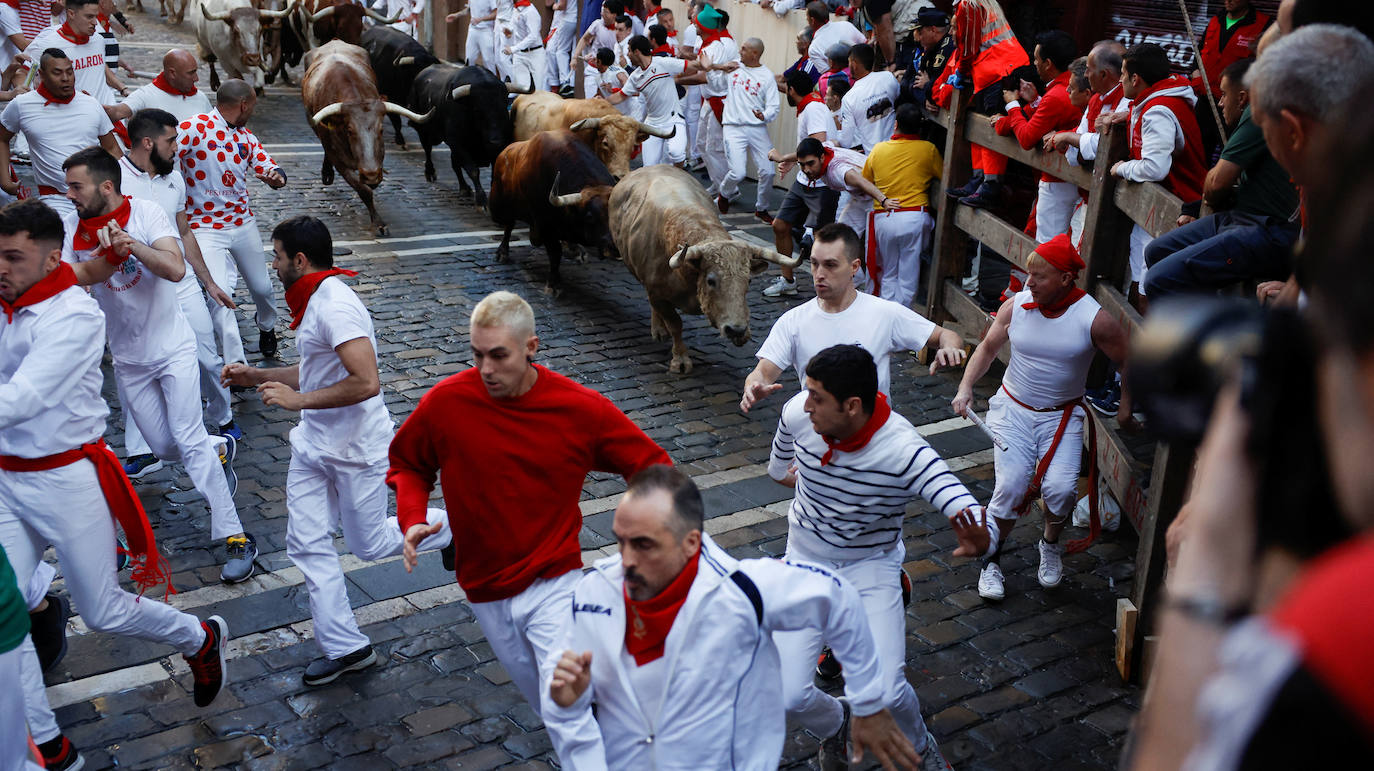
1059	252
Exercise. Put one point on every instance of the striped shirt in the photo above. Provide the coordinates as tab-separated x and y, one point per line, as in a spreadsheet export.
855	504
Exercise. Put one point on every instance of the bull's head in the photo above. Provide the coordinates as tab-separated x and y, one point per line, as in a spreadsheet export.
487	112
355	129
722	269
594	203
347	21
245	30
616	137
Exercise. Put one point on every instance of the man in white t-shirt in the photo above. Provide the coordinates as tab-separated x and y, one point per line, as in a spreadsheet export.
12	37
173	90
611	79
869	111
339	449
750	106
826	32
481	43
57	121
149	171
601	34
653	81
558	74
78	39
153	348
842	170
840	314
525	46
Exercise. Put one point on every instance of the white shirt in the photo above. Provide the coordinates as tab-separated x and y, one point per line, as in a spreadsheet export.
50	377
168	191
566	17
751	88
610	81
525	29
840	166
144	318
333	317
655	85
825	38
878	326
181	107
9	25
601	38
1160	136
88	59
721	51
1088	136
815	118
688	37
216	161
481	8
55	131
869	110
1049	357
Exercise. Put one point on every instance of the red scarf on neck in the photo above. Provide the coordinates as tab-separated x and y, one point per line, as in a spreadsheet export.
68	34
522	3
299	293
900	135
161	82
1055	309
59	280
664	49
826	158
648	622
881	412
87	235
808	99
709	36
49	98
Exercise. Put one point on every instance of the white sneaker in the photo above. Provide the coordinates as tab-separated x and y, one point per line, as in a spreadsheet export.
1051	565
990	582
780	287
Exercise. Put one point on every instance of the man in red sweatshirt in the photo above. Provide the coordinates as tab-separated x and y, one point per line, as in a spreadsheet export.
512	441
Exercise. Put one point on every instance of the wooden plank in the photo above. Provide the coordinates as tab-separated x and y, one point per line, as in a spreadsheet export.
951	245
1126	617
1114	302
1168	487
970	320
979	132
1120	471
1149	205
994	233
1106	232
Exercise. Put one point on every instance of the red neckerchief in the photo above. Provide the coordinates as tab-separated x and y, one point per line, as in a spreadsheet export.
87	232
59	280
1070	298
664	49
161	82
522	3
904	136
67	34
11	3
881	412
299	293
648	622
709	36
805	100
826	158
50	99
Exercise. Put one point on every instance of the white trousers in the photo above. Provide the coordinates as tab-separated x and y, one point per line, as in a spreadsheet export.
481	48
901	238
743	143
854	209
591	81
323	493
711	136
14	732
164	400
65	508
558	71
527	68
526	629
1054	209
230	253
504	63
60	204
1028	435
878	579
691	107
656	150
1140	238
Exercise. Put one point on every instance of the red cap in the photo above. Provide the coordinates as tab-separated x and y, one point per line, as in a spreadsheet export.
1059	252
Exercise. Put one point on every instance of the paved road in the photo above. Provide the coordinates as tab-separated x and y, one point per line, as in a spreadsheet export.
1021	684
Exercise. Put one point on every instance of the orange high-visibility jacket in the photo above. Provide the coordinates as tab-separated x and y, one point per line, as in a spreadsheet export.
984	45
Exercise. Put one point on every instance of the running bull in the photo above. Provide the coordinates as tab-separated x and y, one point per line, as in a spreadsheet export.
230	32
339	20
669	235
396	58
613	136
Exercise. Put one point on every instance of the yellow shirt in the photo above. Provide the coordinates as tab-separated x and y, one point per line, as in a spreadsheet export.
903	169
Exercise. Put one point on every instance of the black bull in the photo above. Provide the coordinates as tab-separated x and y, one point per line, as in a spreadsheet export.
396	59
473	120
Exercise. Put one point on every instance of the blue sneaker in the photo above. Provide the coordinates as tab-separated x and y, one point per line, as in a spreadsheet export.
1105	401
231	429
139	466
227	453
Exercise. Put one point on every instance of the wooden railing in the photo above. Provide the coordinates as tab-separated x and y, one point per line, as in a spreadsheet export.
1113	206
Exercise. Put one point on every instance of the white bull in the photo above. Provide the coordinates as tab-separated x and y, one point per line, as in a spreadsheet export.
230	32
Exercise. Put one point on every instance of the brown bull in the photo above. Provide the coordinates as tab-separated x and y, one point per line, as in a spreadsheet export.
670	236
339	90
611	135
339	20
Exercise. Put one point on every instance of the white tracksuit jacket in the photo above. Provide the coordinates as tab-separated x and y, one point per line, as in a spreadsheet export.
723	707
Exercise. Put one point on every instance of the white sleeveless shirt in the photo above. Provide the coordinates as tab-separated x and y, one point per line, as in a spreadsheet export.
1049	357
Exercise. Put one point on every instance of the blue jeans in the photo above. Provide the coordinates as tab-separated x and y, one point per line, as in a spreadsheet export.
1217	251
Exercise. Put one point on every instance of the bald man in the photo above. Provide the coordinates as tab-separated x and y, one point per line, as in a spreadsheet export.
173	90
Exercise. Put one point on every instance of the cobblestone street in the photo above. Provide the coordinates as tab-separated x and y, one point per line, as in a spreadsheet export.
1025	683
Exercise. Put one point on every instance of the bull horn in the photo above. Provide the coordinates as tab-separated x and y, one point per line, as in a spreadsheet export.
590	124
380	18
460	92
675	261
325	112
567	199
320	14
213	16
262	65
514	89
403	61
277	14
660	133
415	117
777	258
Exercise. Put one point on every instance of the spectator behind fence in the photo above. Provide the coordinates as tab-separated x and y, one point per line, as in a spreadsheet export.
1251	236
1232	35
934	46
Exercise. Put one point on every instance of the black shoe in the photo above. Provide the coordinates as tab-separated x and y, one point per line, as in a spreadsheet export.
988	195
322	671
242	550
827	666
139	466
228	452
48	629
58	753
449	556
267	343
968	189
834	754
208	664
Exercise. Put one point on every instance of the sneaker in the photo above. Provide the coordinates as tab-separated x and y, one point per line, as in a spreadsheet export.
968	189
827	666
208	663
449	556
764	217
139	466
322	671
932	759
723	204
990	582
267	343
834	754
48	629
58	753
906	588
227	452
231	429
1051	564
242	551
780	287
1105	401
988	195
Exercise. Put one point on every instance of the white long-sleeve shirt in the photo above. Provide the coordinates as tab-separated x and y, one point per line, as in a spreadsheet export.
720	51
869	111
832	32
525	29
751	88
1160	135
